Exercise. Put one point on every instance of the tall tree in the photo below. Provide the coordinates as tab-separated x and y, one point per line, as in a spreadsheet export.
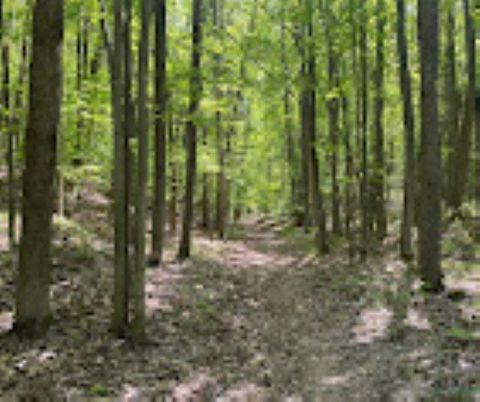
159	205
191	130
452	103
120	300
379	170
333	114
309	125
430	220
6	124
363	133
32	290
406	248
221	196
464	139
138	324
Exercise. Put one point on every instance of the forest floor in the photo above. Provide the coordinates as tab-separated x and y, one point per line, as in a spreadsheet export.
254	318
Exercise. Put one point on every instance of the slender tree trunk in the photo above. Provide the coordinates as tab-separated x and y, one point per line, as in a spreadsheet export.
364	191
333	119
159	205
349	172
120	301
8	129
138	324
355	178
221	190
218	23
379	146
430	158
464	140
18	127
310	108
408	217
452	103
32	313
470	40
79	82
205	192
172	205
477	141
288	126
85	75
191	131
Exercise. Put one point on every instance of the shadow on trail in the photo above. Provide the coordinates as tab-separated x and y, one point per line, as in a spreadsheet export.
328	330
257	317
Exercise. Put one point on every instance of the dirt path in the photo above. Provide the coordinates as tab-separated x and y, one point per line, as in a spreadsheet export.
325	327
256	318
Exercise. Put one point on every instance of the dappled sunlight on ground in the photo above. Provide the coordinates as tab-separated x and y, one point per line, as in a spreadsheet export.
6	322
161	287
243	255
373	324
418	320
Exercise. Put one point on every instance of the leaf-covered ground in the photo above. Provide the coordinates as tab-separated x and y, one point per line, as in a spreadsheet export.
256	318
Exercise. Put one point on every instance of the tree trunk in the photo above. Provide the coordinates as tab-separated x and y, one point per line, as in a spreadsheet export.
310	128
120	301
205	198
363	129
430	158
452	106
408	217
333	120
32	313
138	324
191	131
287	118
477	151
464	140
172	204
159	204
7	125
379	147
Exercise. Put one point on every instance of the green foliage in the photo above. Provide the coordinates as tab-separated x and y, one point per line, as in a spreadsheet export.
462	334
98	390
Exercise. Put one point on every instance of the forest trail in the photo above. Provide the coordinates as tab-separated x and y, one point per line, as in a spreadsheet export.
323	329
255	318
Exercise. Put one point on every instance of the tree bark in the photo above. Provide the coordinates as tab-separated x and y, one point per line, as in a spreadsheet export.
379	146
408	216
452	105
120	302
363	134
462	155
191	130
7	125
32	313
138	324
430	221
159	205
310	127
333	119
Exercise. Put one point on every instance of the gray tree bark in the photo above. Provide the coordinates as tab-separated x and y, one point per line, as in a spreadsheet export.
138	323
191	131
406	248
32	314
159	203
430	221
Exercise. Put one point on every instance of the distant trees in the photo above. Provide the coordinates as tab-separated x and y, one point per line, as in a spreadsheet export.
282	108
